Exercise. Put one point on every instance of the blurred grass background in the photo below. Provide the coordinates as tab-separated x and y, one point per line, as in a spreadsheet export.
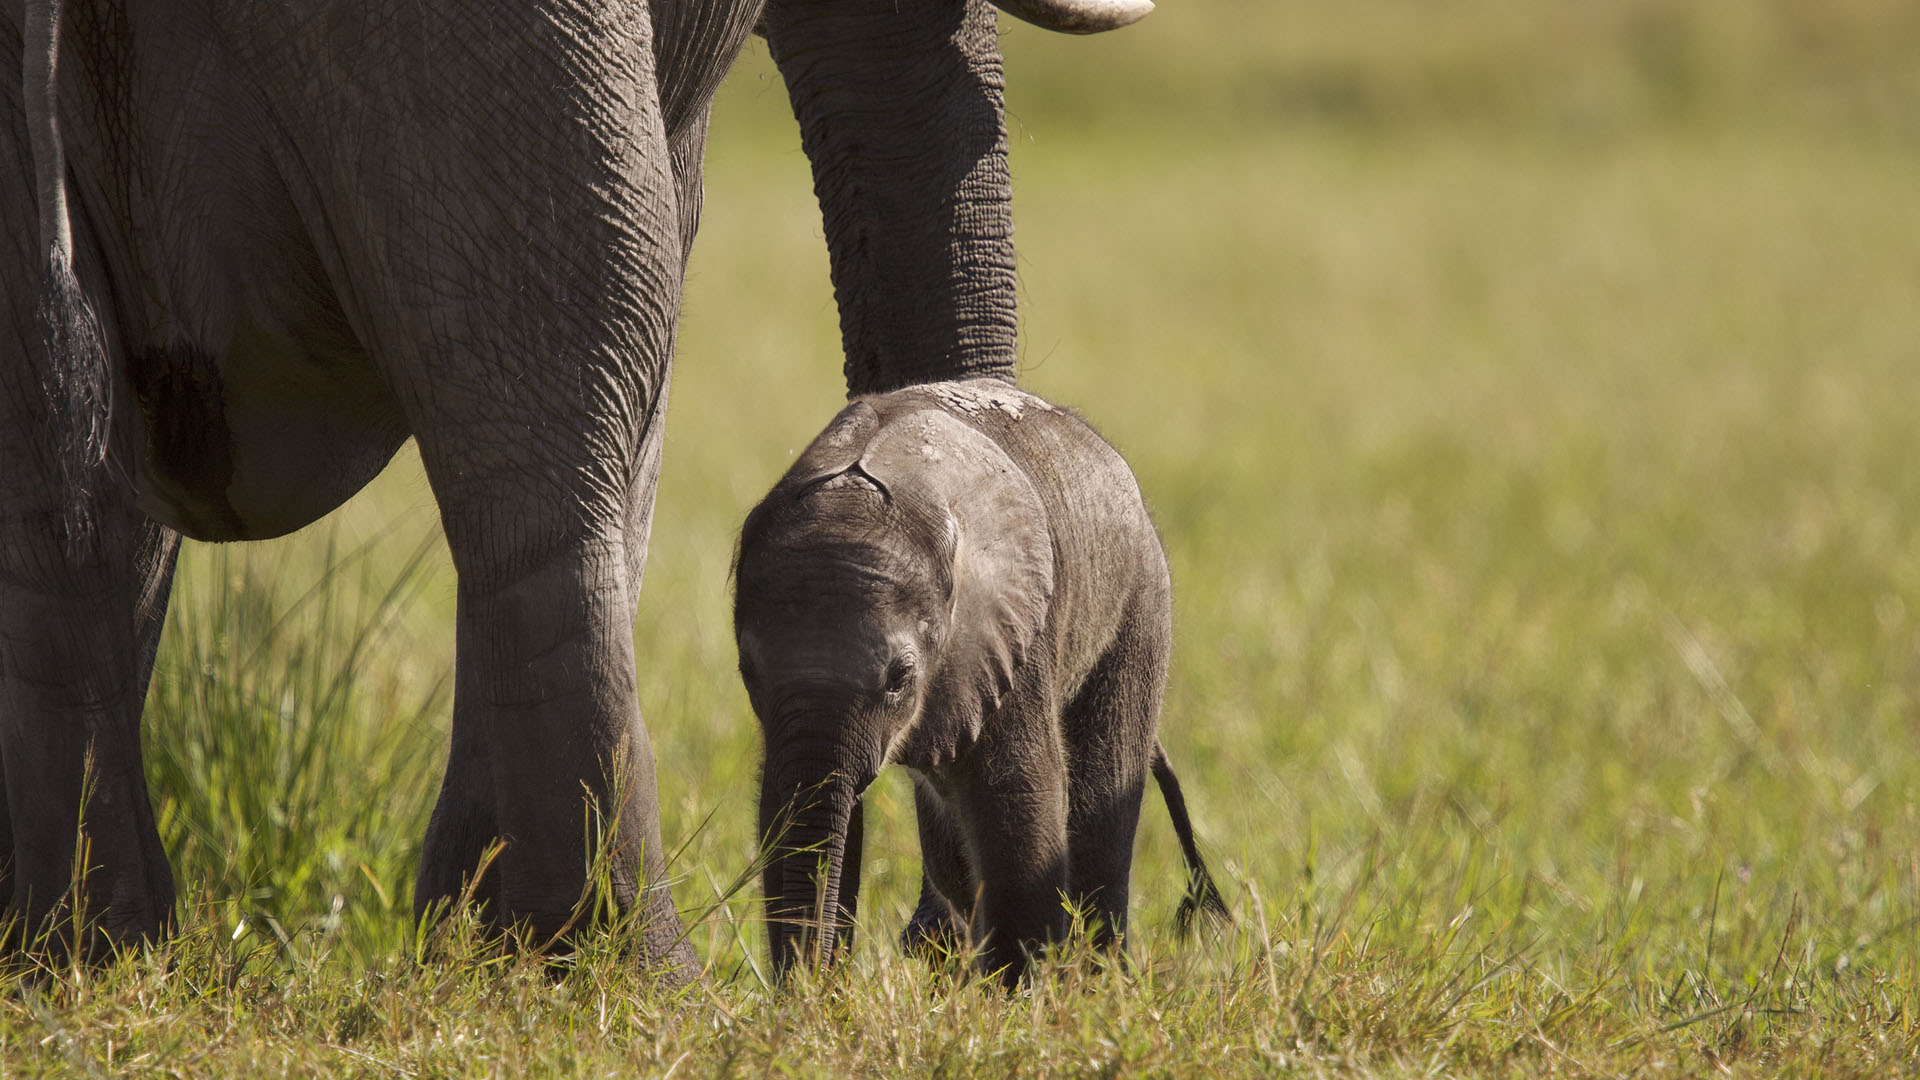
1526	393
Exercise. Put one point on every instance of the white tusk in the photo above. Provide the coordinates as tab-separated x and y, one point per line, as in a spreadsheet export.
1077	16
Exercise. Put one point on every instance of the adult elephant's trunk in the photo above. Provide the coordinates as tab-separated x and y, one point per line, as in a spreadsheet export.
900	104
811	816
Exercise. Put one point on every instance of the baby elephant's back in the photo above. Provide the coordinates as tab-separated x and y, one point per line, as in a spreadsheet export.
1108	563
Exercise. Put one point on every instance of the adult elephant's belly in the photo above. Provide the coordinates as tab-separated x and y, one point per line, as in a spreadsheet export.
262	438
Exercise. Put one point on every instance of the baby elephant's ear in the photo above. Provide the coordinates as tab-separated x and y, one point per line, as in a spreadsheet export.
836	449
997	536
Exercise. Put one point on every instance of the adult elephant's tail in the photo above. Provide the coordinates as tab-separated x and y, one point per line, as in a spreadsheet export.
1202	894
73	363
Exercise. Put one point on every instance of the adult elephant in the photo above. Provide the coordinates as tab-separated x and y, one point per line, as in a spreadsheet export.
250	248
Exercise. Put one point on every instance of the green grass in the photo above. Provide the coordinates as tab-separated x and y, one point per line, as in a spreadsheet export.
1527	396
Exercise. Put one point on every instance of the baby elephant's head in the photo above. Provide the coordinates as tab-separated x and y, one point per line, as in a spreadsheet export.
886	592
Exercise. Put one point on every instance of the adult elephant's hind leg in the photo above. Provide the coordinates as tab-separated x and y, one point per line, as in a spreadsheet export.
83	582
76	652
83	587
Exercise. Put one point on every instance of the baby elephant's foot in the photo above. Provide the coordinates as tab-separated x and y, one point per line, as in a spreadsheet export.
935	932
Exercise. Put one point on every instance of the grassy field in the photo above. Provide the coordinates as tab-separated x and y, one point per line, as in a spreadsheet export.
1527	395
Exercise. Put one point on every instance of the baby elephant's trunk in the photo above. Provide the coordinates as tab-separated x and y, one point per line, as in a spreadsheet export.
811	820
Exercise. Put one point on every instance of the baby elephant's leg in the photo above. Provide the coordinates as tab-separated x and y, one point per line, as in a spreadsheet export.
1110	733
939	923
1015	804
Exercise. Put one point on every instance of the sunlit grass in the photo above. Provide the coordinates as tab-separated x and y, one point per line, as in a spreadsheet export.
1533	442
287	747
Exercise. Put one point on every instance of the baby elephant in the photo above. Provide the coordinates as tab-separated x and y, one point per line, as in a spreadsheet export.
961	579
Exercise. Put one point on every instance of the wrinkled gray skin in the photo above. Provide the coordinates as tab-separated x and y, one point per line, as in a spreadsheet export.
248	248
961	579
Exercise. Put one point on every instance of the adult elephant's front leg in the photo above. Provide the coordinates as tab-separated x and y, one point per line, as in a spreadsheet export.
546	495
497	202
548	648
464	825
550	753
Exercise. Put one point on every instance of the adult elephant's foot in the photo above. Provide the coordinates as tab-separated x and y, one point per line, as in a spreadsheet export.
87	871
668	949
86	868
462	864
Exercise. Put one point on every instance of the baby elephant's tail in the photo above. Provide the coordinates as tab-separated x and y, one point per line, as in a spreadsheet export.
1202	895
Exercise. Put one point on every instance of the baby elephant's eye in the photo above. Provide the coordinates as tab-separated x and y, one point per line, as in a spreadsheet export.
899	674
